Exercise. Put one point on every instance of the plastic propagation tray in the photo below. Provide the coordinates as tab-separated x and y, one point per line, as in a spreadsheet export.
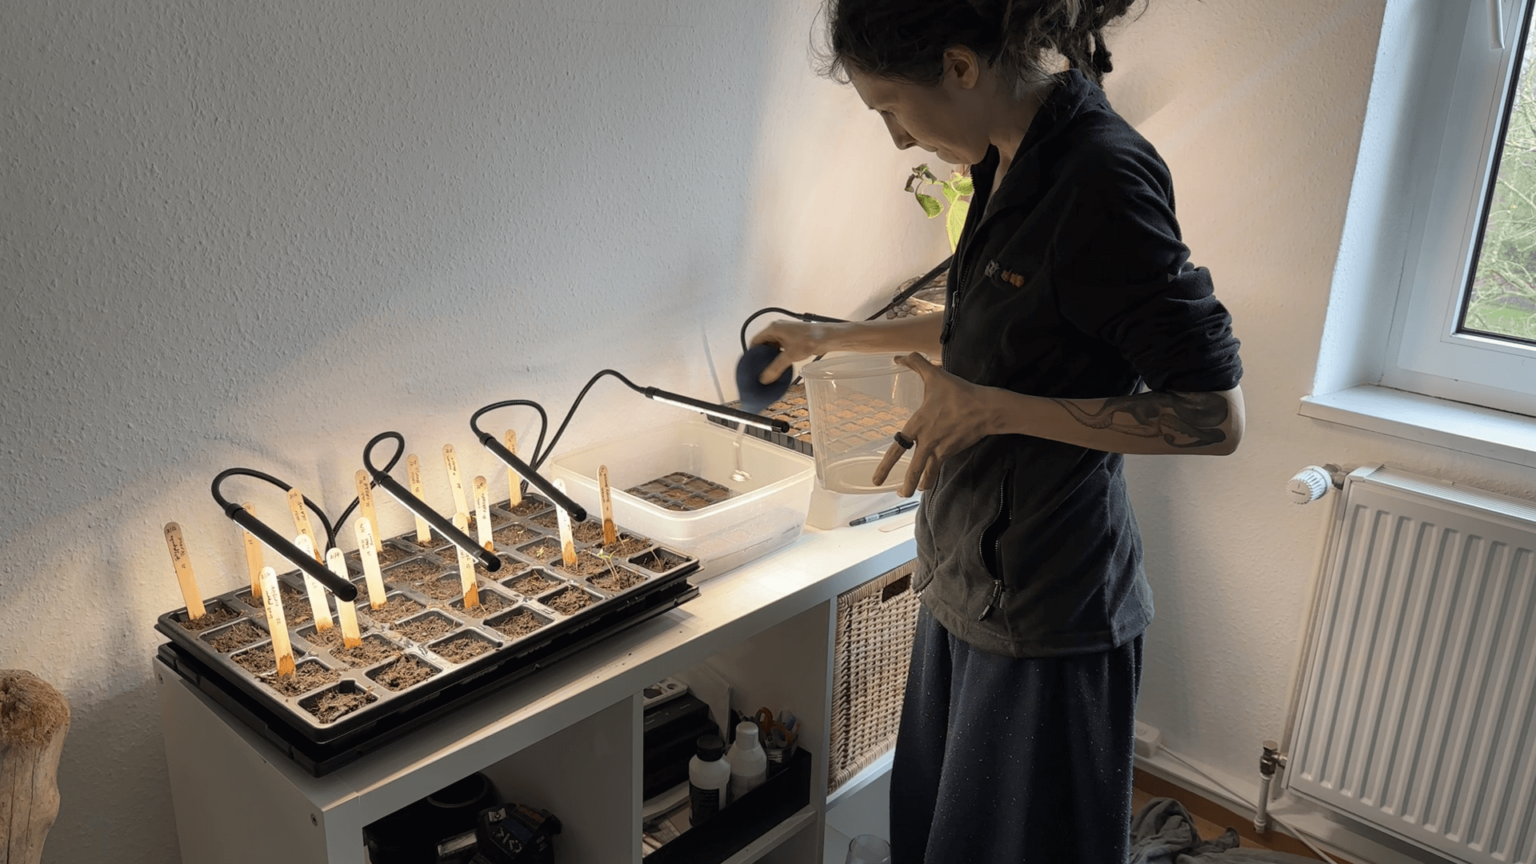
760	512
428	654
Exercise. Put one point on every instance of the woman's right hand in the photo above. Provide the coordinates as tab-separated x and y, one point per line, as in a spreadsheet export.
797	340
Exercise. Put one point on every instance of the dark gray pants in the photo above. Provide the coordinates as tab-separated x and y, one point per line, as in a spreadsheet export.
1014	761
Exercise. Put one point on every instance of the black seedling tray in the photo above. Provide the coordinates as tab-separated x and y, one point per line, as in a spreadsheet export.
644	581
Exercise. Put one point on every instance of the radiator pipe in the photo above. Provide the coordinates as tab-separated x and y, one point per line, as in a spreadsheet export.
1269	763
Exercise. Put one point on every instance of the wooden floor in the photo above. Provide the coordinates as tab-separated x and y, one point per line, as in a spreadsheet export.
1211	819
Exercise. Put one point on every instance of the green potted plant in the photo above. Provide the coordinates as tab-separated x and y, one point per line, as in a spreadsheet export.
956	193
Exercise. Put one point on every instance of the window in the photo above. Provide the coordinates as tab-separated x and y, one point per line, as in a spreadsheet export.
1465	323
1431	326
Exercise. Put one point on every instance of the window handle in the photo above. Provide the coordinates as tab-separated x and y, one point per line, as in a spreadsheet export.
1496	21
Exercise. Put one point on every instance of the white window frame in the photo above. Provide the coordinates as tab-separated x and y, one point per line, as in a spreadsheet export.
1427	158
1426	354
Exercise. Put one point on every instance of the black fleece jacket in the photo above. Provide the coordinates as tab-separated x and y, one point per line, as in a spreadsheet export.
1072	281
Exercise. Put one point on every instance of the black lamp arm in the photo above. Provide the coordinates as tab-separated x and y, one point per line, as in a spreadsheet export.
420	508
523	469
342	588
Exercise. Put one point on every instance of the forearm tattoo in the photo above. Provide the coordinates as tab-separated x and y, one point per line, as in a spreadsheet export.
1181	419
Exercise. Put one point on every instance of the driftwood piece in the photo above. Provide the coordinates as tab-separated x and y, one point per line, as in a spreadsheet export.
34	717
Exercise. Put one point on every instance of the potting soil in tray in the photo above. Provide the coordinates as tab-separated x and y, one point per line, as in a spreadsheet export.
414	571
425	628
403	673
422	638
534	583
444	589
306	676
295	604
462	648
508	568
398	606
260	659
330	705
237	635
586	564
328	638
568	601
530	505
616	580
213	616
541	551
375	649
627	545
681	491
518	624
514	534
490	603
388	554
659	560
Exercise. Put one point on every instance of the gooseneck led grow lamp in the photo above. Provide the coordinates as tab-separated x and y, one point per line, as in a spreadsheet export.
442	526
523	469
658	395
342	588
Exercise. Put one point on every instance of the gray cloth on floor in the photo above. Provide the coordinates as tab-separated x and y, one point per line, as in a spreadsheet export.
1163	833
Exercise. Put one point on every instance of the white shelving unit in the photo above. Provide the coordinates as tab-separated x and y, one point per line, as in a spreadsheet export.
567	738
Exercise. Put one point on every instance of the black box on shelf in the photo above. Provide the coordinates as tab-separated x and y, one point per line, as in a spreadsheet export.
670	736
786	792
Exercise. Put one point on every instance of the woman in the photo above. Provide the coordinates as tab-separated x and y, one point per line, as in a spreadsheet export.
1075	330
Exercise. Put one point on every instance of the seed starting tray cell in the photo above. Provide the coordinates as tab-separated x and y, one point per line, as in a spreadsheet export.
422	648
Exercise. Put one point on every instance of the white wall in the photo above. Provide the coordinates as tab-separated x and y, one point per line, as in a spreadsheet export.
258	233
1258	108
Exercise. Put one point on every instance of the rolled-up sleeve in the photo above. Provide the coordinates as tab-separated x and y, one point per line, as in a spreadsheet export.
1123	275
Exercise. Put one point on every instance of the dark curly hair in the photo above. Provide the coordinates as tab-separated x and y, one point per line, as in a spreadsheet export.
905	40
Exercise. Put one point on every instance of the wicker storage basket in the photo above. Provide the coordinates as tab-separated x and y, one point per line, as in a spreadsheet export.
873	648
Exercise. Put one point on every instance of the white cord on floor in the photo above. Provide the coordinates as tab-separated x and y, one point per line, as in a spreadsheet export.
1225	788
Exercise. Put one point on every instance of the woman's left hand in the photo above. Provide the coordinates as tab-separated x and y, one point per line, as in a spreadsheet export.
954	415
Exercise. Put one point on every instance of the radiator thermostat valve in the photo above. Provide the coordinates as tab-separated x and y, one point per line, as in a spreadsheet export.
1309	484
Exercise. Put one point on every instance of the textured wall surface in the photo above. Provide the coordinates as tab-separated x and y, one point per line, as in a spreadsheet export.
1258	110
258	233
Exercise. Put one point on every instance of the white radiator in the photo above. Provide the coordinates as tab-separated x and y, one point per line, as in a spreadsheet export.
1418	706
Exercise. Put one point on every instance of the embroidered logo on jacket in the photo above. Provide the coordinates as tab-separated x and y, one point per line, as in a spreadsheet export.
1014	279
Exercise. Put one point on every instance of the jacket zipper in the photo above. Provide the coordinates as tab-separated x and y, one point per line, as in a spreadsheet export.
996	600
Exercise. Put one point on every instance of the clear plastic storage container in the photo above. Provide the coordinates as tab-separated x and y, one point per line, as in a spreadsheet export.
765	511
858	403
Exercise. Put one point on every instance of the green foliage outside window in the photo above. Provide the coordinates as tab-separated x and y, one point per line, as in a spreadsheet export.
1503	293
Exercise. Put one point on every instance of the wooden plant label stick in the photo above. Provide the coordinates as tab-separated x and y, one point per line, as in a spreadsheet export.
455	480
514	481
253	555
466	566
413	474
312	587
483	514
301	522
351	637
610	533
567	542
368	550
183	564
365	503
277	624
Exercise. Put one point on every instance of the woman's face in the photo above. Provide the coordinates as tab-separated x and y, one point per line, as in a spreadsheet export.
947	119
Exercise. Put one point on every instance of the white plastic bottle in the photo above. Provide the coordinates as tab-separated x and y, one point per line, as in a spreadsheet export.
749	764
709	778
